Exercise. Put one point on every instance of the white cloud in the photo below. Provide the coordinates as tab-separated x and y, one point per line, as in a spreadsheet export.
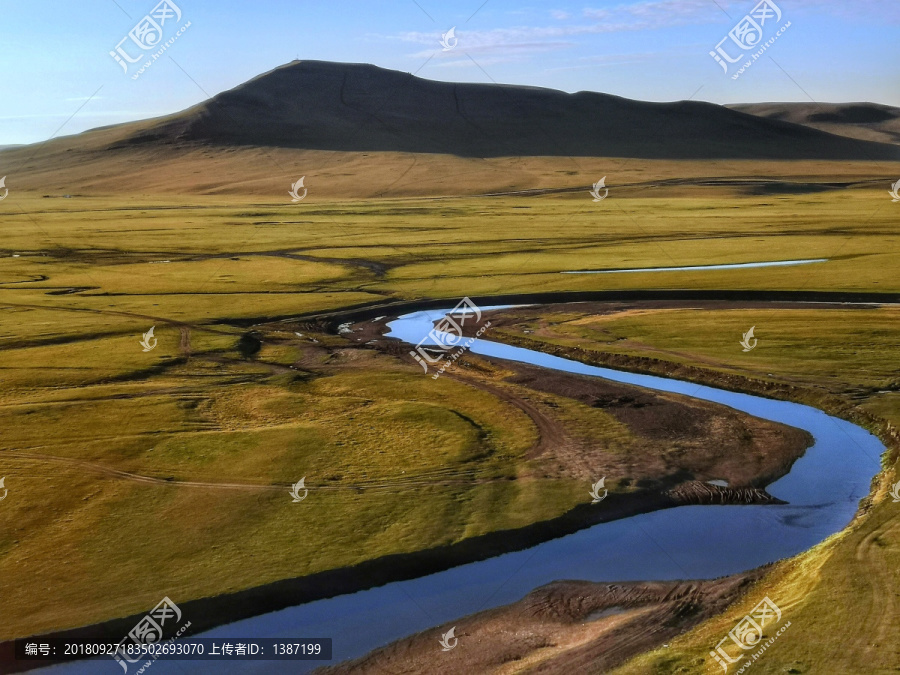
514	43
637	16
658	13
605	60
514	50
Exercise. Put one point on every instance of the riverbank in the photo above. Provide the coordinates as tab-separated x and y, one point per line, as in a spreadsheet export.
841	586
564	627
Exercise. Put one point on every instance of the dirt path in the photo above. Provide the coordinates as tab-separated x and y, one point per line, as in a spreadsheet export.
125	475
182	325
427	479
878	629
185	345
552	434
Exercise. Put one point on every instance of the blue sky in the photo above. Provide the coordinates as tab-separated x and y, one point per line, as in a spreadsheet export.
58	77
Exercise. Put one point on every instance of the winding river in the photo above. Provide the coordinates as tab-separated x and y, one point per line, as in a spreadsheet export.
823	489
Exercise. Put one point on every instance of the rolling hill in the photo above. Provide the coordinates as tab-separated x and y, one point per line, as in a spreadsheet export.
367	131
315	105
863	121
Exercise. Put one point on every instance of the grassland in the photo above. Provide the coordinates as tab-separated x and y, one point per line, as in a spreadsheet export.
204	448
81	279
844	587
812	347
441	247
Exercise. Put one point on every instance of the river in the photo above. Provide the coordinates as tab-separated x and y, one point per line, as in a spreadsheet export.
823	489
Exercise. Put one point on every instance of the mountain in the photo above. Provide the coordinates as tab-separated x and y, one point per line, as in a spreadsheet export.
318	105
358	131
864	121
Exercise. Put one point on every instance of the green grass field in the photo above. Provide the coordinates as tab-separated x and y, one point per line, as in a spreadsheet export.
82	279
846	586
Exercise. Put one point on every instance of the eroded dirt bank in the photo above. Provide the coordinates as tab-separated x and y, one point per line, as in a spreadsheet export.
678	440
564	627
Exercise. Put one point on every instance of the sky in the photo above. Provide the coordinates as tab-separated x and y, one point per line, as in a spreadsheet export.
57	76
